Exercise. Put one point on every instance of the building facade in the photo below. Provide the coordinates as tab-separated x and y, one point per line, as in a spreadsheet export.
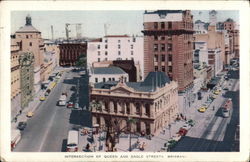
168	45
70	52
116	47
153	103
26	61
104	74
29	39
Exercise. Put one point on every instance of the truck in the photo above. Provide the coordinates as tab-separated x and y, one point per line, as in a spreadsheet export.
72	142
62	100
15	138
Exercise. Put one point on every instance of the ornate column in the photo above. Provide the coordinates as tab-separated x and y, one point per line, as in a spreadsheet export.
143	126
111	106
152	111
143	109
131	107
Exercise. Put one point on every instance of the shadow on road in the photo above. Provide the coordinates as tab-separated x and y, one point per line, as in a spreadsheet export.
64	145
81	117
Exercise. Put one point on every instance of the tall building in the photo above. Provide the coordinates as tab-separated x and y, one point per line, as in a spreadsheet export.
168	45
153	103
213	17
26	61
29	40
70	52
117	47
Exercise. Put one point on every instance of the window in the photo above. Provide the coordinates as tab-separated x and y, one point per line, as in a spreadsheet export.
169	57
119	52
155	37
169	47
127	108
132	58
170	38
170	69
156	68
119	41
30	43
99	53
156	58
162	25
109	79
115	107
137	108
133	39
155	47
113	79
106	59
169	25
27	36
106	53
119	46
106	106
162	37
132	46
162	47
96	80
163	68
98	46
147	107
132	52
162	57
104	79
99	60
106	41
106	46
155	25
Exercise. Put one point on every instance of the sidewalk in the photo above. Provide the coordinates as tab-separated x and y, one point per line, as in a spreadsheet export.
32	106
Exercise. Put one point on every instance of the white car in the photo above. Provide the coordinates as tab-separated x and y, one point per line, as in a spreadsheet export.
186	126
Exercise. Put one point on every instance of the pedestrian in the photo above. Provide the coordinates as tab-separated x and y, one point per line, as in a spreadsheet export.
164	131
213	108
15	119
185	118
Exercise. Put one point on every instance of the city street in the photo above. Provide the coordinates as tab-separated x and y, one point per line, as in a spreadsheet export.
47	130
212	132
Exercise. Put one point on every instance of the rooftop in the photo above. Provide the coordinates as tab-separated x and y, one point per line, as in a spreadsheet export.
151	82
27	29
164	12
114	36
108	70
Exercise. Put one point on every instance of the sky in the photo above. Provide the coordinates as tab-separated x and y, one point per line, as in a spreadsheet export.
118	22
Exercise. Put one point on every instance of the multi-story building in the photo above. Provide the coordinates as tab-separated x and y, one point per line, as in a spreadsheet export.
70	52
104	74
153	103
29	40
200	53
168	45
116	47
54	48
26	61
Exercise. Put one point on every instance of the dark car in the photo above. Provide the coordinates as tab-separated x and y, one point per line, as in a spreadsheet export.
73	88
21	125
182	132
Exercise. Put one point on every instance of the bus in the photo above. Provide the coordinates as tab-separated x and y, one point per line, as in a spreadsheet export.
226	108
72	142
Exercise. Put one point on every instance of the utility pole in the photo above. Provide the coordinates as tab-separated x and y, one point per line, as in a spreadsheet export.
52	32
106	26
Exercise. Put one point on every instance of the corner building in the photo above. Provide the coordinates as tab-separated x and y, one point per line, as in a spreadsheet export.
153	103
168	45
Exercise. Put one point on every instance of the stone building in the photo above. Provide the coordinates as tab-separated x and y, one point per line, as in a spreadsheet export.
168	45
26	61
153	103
29	39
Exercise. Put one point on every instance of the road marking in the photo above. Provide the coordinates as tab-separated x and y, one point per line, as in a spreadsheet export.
47	132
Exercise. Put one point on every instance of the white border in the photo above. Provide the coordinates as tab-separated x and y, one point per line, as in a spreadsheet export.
8	6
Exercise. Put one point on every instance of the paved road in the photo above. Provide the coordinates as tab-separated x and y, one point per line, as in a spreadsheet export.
213	132
47	130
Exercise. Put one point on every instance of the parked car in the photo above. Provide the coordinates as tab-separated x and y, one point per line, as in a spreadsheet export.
202	109
21	125
225	88
30	114
77	106
182	132
70	105
186	126
191	122
73	88
42	98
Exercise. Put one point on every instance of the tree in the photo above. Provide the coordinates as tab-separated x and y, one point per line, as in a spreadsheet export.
131	121
81	61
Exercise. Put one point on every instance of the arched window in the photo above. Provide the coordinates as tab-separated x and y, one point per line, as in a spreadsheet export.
137	106
147	107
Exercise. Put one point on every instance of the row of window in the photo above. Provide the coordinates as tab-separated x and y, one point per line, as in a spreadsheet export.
162	47
109	79
119	46
162	58
163	25
119	53
169	37
119	41
163	69
118	58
